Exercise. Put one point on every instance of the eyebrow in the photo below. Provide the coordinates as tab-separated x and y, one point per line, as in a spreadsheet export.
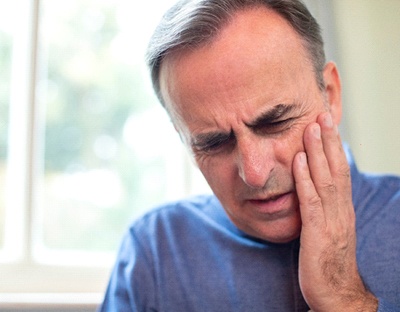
203	140
272	115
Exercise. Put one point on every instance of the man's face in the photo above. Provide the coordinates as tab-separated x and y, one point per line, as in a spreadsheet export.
242	103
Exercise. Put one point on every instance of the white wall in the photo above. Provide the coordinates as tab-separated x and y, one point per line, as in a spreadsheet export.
368	42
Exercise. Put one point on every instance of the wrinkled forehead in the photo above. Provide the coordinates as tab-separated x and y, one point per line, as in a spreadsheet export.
254	40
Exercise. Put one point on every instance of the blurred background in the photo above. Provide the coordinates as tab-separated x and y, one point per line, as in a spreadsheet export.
85	147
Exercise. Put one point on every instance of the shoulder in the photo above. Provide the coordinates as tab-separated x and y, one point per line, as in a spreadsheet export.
377	206
381	190
182	209
175	216
165	223
373	191
378	220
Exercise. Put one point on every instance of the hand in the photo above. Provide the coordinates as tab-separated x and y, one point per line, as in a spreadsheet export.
328	273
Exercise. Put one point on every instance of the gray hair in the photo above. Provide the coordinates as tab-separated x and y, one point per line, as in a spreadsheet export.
193	23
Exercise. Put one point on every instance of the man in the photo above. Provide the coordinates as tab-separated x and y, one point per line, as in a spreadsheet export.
293	225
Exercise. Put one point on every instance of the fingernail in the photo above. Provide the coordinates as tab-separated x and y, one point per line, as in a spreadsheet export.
328	121
302	158
316	131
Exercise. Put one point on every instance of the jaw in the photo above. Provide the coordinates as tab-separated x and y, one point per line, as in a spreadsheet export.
280	229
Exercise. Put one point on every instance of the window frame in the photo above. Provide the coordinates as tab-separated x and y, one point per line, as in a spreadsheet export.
18	266
27	268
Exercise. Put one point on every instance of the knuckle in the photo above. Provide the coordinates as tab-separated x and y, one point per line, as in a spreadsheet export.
314	202
329	187
344	171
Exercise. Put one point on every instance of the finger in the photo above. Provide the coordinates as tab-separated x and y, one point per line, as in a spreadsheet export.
333	148
319	168
311	210
337	161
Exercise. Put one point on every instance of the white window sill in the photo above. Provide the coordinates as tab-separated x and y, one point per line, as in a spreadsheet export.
60	302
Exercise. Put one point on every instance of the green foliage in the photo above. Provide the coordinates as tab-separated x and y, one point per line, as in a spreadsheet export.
87	91
89	94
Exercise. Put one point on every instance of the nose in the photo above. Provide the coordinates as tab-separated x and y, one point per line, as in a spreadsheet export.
255	162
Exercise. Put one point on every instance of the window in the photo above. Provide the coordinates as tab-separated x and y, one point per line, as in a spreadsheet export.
84	145
5	74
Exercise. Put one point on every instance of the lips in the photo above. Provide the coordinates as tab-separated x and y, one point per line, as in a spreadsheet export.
275	205
270	198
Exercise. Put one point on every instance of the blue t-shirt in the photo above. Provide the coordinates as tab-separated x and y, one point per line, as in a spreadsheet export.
187	256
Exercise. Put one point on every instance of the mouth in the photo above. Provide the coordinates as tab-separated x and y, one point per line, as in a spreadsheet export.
271	198
276	205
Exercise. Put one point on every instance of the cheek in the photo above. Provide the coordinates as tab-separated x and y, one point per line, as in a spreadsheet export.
218	171
287	147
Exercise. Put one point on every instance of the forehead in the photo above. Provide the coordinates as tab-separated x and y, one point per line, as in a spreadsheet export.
256	52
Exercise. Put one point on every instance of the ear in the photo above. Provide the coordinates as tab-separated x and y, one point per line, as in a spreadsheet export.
333	90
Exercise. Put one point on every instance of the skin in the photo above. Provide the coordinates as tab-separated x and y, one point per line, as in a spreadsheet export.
265	138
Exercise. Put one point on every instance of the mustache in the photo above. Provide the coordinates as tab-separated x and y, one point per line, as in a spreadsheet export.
275	186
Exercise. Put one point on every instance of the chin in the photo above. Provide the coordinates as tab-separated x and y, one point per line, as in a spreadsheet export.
283	239
280	233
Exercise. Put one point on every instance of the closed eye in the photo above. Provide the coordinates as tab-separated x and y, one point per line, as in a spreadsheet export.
214	142
274	120
273	127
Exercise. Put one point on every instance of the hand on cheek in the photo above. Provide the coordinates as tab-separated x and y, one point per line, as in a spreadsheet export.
327	267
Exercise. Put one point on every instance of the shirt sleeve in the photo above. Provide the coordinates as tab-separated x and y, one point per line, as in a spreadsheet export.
131	285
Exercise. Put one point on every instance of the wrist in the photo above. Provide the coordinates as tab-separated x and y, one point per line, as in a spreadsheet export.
370	303
367	302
